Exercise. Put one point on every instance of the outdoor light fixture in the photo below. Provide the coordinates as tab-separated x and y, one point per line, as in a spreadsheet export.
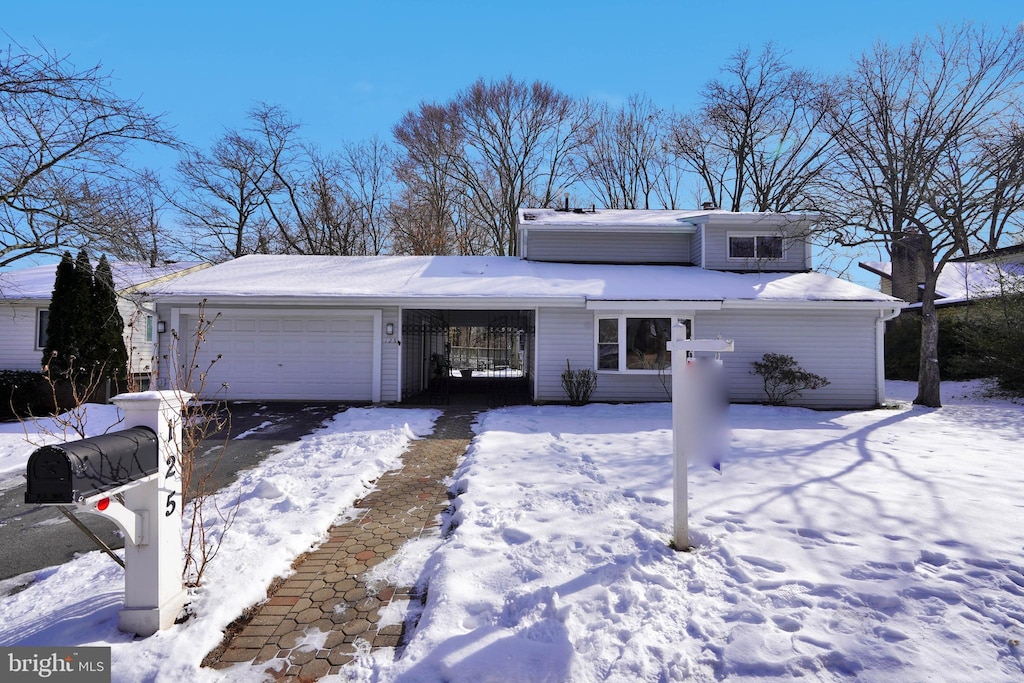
161	326
389	329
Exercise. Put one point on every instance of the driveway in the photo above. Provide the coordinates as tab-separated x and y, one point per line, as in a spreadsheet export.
33	536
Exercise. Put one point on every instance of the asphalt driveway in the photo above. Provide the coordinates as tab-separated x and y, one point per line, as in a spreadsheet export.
33	536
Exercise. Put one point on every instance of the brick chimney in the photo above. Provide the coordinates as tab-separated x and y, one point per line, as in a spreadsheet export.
907	268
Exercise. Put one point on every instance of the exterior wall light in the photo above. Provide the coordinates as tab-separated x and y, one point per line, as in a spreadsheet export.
161	326
389	329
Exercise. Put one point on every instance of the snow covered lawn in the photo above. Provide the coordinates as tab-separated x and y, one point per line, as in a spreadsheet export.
880	545
287	504
884	545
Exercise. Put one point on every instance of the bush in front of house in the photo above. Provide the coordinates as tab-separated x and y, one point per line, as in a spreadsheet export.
24	392
579	385
784	379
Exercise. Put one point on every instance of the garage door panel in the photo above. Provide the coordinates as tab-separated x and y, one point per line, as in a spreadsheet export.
291	357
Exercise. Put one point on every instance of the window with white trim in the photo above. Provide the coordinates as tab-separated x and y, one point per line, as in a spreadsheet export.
634	343
42	321
762	247
149	328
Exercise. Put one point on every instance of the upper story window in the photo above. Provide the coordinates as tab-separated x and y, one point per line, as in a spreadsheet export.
633	344
764	247
42	320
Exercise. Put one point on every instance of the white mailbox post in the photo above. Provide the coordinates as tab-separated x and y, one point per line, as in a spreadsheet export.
689	404
153	591
141	466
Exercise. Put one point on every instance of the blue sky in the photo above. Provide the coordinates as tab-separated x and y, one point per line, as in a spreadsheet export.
349	70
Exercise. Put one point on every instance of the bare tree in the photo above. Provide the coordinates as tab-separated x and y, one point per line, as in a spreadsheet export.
221	201
517	140
759	140
368	181
322	203
286	159
63	136
468	165
980	194
133	212
913	136
425	214
624	159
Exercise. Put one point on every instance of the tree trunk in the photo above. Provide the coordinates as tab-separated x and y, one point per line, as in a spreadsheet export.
928	388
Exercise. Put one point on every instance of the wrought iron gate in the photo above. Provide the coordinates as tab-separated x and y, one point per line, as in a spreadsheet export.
426	355
488	360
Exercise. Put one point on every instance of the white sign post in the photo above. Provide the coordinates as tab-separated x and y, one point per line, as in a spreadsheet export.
153	591
689	400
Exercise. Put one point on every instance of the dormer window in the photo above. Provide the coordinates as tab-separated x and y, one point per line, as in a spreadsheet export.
761	247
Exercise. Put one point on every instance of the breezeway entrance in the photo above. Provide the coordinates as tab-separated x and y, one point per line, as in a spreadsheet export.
487	354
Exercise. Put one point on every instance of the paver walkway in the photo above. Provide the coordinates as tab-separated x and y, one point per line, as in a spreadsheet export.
326	600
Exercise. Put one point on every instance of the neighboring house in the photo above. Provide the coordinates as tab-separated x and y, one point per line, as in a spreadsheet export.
595	289
963	279
24	307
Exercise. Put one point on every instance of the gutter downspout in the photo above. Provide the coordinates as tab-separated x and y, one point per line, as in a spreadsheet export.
884	316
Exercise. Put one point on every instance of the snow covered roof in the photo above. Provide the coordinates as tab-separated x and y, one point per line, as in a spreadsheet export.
37	282
500	277
654	218
961	281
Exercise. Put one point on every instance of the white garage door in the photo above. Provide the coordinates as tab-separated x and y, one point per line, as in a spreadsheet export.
298	356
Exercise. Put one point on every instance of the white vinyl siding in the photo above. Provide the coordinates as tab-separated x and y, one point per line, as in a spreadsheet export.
839	345
570	334
628	246
390	356
696	247
716	252
18	336
141	347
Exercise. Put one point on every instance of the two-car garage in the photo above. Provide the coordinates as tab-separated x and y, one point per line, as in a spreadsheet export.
266	354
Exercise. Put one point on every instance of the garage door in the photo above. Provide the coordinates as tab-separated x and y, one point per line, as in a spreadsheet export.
298	356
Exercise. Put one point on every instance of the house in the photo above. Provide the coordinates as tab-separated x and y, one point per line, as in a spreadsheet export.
24	307
591	289
963	279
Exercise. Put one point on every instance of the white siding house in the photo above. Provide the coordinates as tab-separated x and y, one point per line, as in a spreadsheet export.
25	300
594	289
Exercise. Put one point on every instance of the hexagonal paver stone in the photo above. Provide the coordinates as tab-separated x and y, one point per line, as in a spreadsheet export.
328	590
302	655
318	668
356	626
308	616
340	656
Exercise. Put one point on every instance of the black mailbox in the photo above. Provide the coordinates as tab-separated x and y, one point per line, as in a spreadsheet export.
73	472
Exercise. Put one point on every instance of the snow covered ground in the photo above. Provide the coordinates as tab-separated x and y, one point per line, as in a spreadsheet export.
878	545
287	503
